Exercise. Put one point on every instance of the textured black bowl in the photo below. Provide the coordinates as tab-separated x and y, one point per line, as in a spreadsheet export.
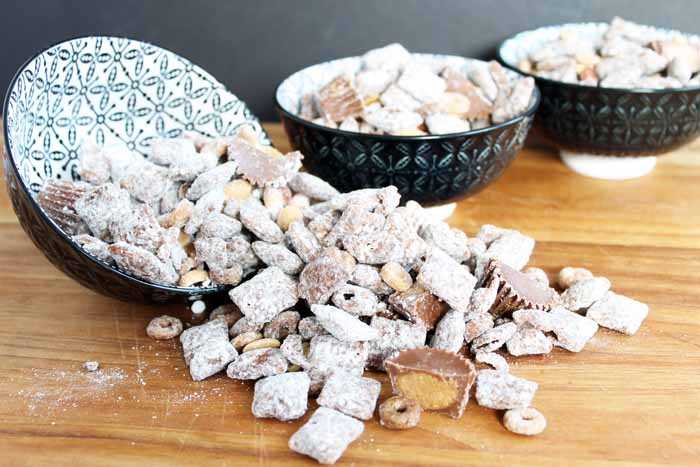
428	169
607	121
104	89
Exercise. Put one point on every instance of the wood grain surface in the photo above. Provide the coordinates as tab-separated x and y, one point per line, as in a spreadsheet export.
622	401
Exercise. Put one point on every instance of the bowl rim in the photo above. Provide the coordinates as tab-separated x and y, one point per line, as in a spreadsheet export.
530	111
582	87
189	291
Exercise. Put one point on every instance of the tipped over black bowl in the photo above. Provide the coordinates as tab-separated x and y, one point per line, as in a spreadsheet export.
104	90
430	169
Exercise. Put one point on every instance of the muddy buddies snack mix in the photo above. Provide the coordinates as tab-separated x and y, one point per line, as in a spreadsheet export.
359	283
193	215
627	55
326	435
395	92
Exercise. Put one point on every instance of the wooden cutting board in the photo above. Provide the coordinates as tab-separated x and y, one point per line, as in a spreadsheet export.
622	400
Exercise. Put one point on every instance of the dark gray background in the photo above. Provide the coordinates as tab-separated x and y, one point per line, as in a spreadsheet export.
252	45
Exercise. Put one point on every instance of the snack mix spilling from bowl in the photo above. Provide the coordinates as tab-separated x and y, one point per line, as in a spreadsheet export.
197	212
627	56
327	285
401	94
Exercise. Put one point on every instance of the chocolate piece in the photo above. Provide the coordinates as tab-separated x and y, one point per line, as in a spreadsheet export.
436	379
58	198
419	306
516	290
260	167
339	99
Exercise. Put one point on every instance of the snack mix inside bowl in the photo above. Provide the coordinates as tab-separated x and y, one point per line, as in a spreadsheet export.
390	91
622	90
114	151
436	126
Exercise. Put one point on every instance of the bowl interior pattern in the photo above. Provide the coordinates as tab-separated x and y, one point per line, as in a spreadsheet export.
607	121
107	90
430	169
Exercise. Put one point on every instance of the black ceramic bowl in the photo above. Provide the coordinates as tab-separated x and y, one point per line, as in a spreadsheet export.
106	90
429	169
607	121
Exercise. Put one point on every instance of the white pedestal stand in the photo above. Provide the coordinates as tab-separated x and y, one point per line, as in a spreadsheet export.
608	167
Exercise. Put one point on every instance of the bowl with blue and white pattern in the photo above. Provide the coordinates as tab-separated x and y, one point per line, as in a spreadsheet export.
103	90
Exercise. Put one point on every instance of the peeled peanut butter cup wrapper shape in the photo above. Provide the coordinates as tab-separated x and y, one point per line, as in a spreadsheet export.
436	379
516	290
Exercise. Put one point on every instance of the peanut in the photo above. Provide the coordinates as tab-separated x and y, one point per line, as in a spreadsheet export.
193	277
238	189
288	214
242	340
264	343
396	277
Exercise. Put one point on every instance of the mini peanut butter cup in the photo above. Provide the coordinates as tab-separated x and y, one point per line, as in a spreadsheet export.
436	379
516	290
339	100
419	306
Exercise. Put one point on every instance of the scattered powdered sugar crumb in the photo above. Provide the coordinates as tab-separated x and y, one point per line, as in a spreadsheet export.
57	390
